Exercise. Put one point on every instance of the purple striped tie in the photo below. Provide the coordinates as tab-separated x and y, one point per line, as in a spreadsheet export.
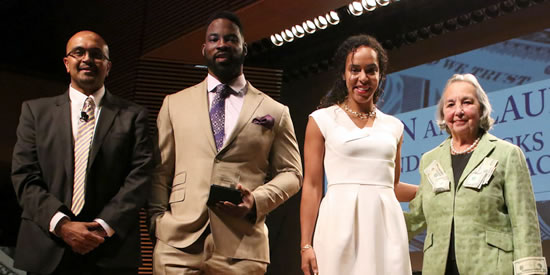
81	152
217	114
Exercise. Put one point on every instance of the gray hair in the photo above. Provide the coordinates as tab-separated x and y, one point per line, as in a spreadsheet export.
485	121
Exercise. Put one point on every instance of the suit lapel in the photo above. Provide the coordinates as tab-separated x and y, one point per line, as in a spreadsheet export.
64	127
444	158
108	112
483	149
200	98
252	100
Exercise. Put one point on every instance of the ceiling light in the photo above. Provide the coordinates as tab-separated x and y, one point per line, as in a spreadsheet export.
298	31
383	2
355	8
276	39
309	27
333	18
321	22
369	5
287	35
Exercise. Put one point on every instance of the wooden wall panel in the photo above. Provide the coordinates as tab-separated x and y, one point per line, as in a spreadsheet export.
157	78
146	246
122	28
167	20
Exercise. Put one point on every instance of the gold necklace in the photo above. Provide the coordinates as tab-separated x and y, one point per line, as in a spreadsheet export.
360	115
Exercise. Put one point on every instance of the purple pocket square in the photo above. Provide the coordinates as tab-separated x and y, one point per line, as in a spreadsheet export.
267	121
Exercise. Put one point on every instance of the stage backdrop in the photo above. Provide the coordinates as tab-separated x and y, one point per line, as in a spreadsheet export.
516	76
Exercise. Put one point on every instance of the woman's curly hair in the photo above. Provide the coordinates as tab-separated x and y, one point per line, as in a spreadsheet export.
339	91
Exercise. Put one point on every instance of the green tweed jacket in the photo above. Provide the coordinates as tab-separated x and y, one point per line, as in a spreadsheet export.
494	226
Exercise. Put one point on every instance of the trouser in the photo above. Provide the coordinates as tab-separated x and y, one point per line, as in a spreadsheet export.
200	258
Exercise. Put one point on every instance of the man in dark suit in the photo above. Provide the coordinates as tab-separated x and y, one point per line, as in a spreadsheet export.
81	172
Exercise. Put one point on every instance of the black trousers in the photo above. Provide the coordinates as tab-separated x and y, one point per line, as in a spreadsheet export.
451	268
73	263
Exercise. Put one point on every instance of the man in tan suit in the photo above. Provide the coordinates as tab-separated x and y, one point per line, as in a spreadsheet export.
225	132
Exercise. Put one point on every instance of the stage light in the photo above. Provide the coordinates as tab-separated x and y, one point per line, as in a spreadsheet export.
411	36
424	32
309	27
276	39
437	28
478	15
507	6
355	8
321	22
298	31
332	18
287	35
369	5
464	19
492	10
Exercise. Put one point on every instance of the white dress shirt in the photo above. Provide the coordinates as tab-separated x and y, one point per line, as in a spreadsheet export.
233	104
77	102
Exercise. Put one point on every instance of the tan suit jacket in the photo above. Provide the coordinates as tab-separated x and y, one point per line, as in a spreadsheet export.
190	164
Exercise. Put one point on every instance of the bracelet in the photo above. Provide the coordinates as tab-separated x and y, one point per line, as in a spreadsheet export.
306	247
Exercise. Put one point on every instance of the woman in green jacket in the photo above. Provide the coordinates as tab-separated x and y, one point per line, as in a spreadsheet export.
475	196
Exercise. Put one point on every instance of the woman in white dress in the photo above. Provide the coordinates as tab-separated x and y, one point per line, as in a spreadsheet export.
359	226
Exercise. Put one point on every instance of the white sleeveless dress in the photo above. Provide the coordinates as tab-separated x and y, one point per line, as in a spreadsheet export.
361	228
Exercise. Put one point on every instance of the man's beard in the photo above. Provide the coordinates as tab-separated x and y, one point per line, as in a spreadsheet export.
228	70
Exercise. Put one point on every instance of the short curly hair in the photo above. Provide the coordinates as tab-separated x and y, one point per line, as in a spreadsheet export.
226	15
485	121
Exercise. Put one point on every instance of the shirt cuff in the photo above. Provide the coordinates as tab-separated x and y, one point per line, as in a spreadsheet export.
110	232
55	220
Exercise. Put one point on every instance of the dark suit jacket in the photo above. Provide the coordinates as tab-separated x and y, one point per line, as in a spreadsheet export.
118	179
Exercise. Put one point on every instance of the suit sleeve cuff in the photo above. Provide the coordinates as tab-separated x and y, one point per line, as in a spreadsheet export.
252	216
110	232
55	220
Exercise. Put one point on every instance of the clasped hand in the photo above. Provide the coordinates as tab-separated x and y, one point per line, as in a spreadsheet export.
242	208
82	237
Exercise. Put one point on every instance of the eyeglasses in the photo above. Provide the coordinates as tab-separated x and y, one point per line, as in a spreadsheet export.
93	53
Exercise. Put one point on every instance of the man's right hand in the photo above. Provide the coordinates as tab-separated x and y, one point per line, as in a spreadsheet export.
79	235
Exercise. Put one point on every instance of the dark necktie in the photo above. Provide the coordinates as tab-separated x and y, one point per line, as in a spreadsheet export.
217	113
